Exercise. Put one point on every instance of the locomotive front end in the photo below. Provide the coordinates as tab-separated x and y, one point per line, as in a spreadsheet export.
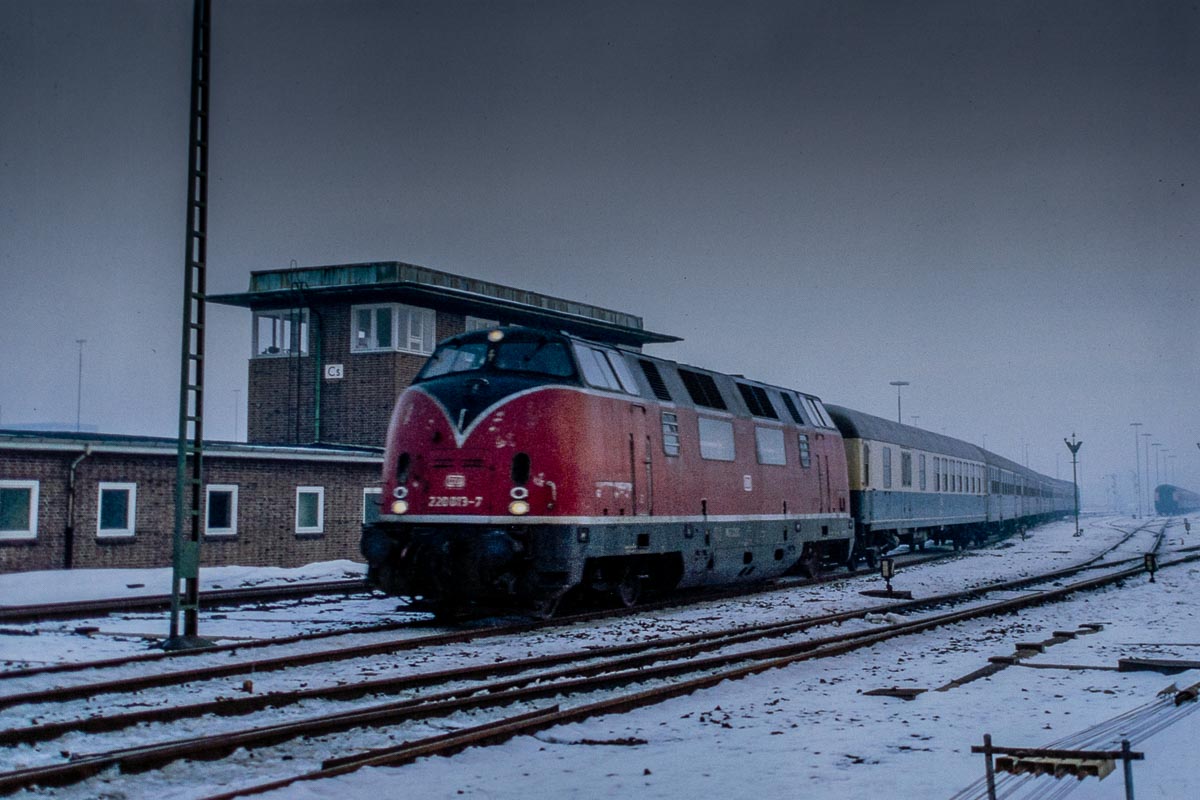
474	478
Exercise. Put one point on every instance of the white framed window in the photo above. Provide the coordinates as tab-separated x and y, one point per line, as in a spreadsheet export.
768	443
604	369
281	332
220	509
310	509
18	509
392	326
116	509
716	439
370	505
480	324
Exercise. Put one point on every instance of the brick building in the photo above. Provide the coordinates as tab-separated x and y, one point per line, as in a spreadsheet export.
333	346
95	500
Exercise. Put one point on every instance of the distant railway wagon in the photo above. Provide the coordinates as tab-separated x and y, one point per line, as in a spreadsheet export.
1171	500
523	465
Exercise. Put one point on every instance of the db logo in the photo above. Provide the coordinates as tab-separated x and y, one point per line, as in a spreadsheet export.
456	481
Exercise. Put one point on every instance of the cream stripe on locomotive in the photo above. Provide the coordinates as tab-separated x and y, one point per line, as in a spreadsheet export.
714	519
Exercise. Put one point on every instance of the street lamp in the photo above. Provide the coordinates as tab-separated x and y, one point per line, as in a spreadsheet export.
79	384
1074	446
1137	463
898	384
1146	448
1155	445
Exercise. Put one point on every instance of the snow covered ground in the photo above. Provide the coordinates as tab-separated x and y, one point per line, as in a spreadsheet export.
808	730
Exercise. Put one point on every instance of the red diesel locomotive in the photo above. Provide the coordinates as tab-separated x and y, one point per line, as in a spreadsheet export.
524	464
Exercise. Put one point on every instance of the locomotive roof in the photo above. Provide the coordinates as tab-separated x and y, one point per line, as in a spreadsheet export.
857	425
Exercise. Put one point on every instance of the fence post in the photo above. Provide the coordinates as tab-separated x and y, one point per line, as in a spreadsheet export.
1128	769
991	769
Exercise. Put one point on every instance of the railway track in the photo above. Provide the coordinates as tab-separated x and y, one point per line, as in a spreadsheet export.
528	680
212	597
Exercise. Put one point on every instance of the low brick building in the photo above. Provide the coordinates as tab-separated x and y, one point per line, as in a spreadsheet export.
93	500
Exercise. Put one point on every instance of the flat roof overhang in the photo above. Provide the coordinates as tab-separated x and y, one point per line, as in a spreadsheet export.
290	289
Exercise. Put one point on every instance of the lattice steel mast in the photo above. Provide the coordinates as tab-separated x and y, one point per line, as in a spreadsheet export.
185	584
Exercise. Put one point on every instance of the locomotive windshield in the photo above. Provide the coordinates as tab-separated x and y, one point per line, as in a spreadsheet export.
538	356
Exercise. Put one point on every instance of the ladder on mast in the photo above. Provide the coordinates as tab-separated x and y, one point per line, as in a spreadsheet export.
185	561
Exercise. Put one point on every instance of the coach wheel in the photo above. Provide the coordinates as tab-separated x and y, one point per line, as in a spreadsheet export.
546	606
810	561
628	590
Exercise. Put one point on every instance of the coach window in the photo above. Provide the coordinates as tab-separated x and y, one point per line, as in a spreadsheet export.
805	457
220	510
905	469
310	509
716	439
887	467
370	505
768	443
670	433
921	469
866	463
117	509
281	332
392	326
18	510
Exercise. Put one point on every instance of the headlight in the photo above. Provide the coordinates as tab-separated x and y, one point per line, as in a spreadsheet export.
399	507
518	507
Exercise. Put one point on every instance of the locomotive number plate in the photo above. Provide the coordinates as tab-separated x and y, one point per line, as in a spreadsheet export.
443	501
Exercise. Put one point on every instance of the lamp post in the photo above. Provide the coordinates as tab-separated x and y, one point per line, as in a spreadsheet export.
1073	445
898	384
1137	463
1146	448
1156	445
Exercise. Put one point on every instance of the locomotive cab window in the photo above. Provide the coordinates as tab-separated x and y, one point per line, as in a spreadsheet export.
534	356
605	370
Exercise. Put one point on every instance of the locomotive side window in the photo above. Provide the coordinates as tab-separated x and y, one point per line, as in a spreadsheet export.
806	459
670	433
597	369
624	376
716	439
768	442
792	410
702	389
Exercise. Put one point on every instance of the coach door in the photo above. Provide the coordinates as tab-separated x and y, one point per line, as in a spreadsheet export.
641	475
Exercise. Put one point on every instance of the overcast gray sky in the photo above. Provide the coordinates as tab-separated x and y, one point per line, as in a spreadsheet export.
995	201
